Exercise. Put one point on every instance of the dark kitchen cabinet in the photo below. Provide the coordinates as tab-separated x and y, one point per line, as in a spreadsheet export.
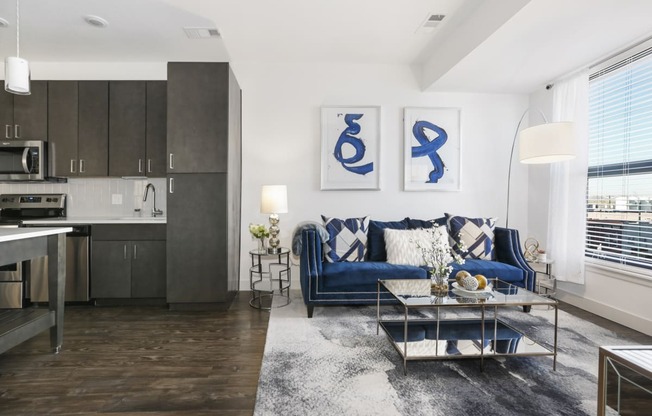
196	248
198	114
157	134
137	128
204	178
25	117
128	261
127	128
78	130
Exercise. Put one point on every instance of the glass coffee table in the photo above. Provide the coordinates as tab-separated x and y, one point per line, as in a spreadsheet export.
479	333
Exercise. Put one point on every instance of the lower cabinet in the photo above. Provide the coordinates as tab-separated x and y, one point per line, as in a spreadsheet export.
127	268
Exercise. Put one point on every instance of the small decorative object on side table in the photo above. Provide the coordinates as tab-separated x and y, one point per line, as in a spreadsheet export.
276	280
274	201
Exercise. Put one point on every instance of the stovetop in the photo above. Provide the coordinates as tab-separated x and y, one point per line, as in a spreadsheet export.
17	207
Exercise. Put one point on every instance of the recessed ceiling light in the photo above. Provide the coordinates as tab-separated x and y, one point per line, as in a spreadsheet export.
3	22
96	21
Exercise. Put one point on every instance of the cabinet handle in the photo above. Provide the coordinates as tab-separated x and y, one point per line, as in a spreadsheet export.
171	185
72	165
125	251
135	252
81	165
149	165
7	131
140	165
171	160
17	131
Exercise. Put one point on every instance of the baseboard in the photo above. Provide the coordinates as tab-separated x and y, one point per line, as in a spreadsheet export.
624	318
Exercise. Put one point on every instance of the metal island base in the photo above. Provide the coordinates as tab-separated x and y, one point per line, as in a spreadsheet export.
20	244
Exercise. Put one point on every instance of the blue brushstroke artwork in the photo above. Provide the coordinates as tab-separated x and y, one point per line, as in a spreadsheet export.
429	147
348	137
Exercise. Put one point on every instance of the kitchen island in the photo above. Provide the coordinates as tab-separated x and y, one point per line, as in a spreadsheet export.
20	244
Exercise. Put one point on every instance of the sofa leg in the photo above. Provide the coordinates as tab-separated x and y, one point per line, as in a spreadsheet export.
527	309
311	308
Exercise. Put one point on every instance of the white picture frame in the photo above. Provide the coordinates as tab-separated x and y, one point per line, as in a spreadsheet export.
350	147
428	165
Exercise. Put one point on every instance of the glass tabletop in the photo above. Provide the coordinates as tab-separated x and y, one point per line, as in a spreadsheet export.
417	293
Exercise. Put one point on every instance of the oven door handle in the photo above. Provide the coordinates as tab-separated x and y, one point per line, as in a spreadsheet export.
25	156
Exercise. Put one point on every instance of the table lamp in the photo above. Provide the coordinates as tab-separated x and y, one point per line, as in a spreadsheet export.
274	201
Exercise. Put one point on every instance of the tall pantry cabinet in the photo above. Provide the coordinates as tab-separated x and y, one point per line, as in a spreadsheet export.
204	182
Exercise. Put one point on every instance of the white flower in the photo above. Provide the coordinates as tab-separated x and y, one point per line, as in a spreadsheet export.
437	253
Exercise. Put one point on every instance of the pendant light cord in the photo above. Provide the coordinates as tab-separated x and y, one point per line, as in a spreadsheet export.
17	28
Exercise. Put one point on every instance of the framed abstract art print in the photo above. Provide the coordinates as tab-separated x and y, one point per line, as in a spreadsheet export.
350	148
432	152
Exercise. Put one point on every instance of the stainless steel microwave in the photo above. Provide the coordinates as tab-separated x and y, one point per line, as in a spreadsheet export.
23	160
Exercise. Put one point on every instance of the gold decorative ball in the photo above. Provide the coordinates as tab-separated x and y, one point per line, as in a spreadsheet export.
461	275
482	281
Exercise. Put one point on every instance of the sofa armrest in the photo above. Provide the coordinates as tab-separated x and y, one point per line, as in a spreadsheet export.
508	251
311	261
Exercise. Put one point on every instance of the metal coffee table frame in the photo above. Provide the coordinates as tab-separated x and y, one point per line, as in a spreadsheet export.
414	294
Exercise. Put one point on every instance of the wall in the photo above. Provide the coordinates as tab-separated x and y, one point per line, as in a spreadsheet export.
281	145
617	293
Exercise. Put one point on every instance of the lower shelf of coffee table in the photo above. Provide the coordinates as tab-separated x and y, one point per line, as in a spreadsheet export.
462	338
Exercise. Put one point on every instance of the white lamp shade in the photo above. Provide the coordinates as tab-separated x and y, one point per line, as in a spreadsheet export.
274	199
547	143
17	75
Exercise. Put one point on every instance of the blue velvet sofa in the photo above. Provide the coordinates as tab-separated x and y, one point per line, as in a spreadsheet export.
355	283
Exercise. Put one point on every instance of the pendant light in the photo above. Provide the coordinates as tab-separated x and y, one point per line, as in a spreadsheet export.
17	75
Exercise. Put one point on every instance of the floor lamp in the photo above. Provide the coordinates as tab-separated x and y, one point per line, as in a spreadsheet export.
544	143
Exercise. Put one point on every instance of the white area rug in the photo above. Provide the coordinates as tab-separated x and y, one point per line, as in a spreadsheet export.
335	364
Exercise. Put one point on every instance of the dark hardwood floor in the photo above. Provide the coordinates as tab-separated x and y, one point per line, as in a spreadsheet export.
140	360
149	360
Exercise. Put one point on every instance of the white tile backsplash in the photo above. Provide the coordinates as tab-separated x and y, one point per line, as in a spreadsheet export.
92	197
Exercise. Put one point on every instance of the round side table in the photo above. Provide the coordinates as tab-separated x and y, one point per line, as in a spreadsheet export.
269	275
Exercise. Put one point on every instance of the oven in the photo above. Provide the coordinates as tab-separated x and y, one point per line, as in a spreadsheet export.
14	209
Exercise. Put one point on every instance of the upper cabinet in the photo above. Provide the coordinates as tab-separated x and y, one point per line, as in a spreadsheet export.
25	117
127	128
137	128
78	129
198	114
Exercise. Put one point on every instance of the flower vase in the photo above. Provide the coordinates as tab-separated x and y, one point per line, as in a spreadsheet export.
261	245
439	283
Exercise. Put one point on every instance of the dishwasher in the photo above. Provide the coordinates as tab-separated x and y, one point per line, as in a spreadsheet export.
77	268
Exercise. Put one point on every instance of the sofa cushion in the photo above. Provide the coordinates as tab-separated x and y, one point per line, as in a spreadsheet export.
347	239
477	234
376	241
414	224
490	269
363	276
402	247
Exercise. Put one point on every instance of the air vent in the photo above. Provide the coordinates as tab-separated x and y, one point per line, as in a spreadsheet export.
201	32
431	22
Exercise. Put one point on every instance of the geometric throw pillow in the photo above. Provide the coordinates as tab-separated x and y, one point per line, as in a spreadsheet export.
477	234
347	239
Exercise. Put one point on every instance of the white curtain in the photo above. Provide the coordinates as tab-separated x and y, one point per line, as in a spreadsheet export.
567	201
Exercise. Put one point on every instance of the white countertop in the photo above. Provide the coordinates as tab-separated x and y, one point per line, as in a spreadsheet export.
13	234
99	220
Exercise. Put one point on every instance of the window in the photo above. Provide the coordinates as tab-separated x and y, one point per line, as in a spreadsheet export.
619	189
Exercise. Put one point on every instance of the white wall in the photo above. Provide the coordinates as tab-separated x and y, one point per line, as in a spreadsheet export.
281	145
615	292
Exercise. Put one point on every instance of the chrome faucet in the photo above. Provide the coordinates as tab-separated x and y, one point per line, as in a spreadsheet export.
155	211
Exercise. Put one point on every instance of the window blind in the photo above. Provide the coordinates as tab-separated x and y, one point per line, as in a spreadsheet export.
619	189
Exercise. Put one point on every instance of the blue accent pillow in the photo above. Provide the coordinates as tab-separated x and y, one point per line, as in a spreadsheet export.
416	224
347	239
477	234
376	250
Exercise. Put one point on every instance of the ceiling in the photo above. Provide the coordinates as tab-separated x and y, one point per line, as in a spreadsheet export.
502	46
